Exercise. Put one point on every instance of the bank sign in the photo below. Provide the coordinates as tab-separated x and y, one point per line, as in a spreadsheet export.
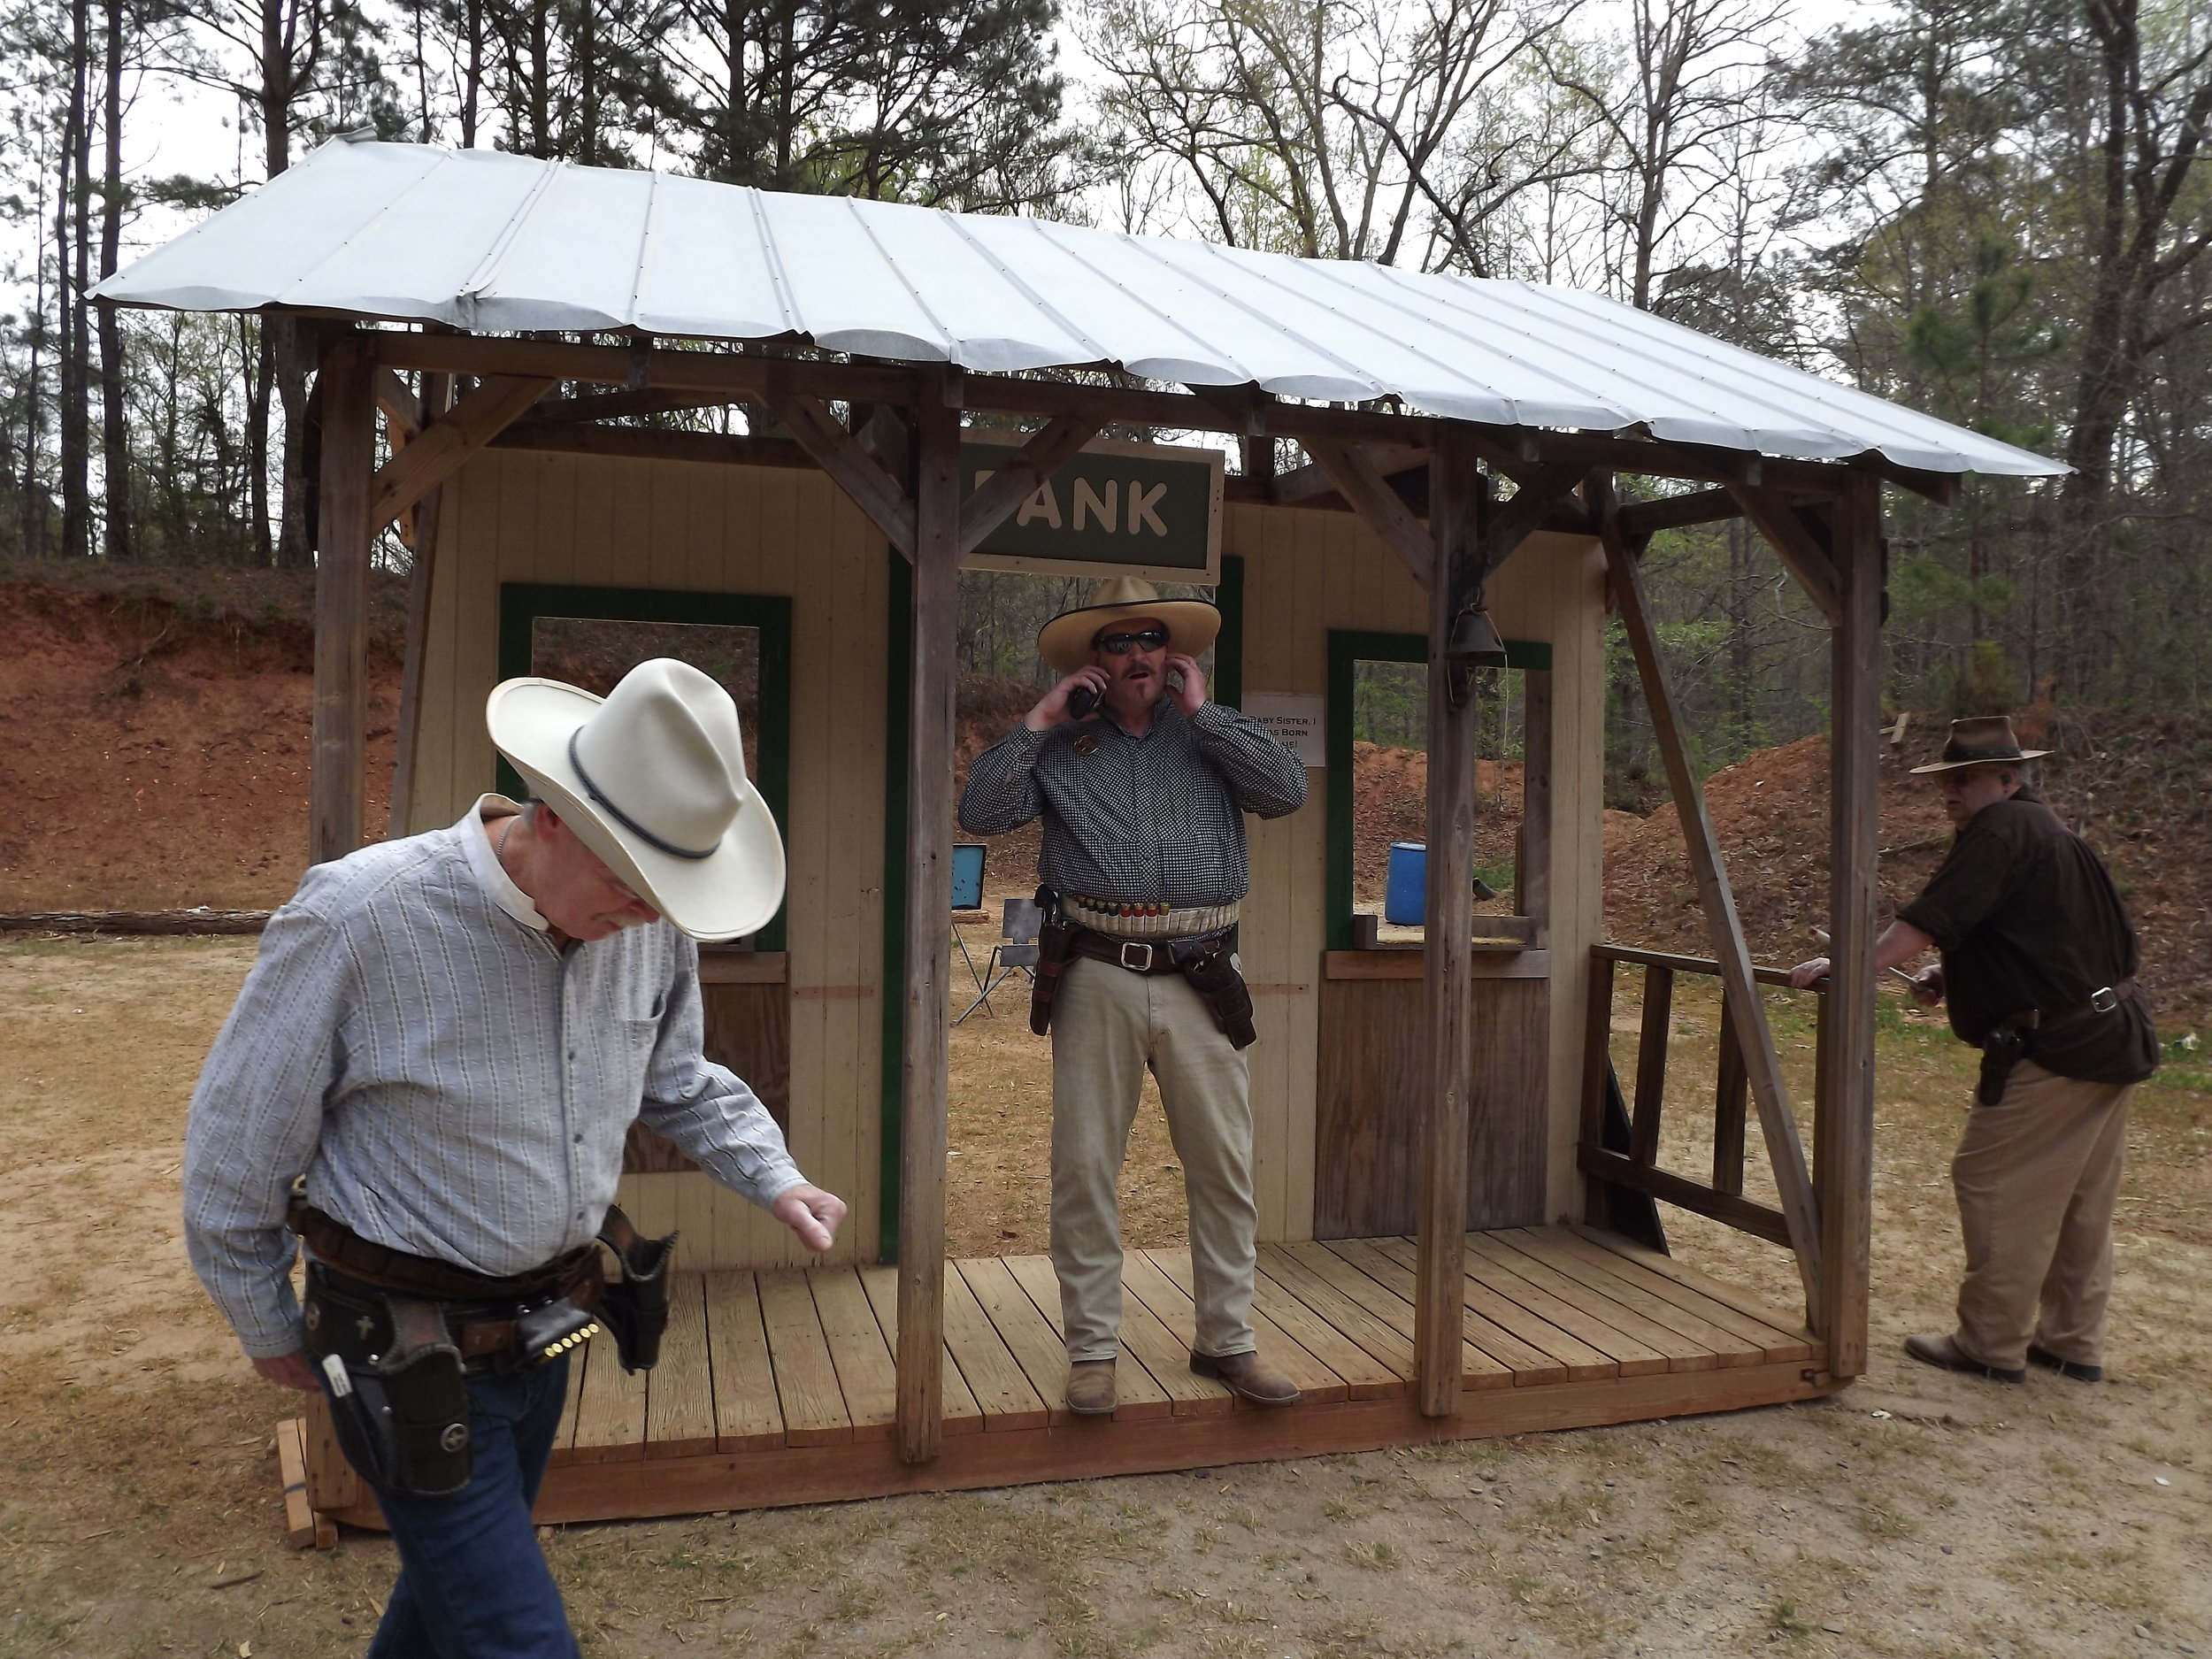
1150	510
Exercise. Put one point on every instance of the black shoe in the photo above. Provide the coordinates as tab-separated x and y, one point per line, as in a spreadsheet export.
2072	1368
1942	1352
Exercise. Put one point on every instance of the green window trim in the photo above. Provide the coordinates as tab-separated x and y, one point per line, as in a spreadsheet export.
522	603
1347	647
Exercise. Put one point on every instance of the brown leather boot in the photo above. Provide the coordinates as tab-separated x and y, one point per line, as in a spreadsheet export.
1247	1377
1091	1387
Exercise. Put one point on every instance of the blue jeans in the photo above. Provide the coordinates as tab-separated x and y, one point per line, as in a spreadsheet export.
473	1582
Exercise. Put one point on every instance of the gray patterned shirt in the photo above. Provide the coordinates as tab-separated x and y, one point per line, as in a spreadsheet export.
452	1083
1139	820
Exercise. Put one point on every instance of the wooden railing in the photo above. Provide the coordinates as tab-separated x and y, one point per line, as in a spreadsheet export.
1638	1170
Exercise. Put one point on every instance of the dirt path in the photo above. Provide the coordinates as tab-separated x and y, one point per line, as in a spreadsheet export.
1917	1513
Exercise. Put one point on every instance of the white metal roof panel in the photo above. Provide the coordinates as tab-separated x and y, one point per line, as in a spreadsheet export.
490	242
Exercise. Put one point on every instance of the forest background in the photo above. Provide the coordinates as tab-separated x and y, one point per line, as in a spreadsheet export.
1997	210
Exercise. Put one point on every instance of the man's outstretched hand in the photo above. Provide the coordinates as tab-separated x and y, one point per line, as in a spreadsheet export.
812	1214
289	1370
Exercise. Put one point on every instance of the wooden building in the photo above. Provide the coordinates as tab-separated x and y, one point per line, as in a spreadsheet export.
1432	1160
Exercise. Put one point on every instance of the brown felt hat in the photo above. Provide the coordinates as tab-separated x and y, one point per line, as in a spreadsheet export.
1986	739
1064	643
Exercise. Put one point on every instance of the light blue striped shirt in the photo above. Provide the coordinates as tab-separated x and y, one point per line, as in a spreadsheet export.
452	1083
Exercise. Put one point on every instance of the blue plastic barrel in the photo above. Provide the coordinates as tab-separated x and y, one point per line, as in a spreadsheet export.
1406	899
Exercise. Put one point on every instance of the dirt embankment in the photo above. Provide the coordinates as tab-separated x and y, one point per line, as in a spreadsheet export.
154	737
155	753
2131	783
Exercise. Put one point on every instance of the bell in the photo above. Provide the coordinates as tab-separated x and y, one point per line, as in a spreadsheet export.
1474	639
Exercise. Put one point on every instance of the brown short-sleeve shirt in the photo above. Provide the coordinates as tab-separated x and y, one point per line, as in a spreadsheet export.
2027	917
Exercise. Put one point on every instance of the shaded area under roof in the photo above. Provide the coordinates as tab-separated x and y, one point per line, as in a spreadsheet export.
492	243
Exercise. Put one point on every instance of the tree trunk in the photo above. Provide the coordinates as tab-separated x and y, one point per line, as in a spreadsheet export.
280	360
115	449
72	249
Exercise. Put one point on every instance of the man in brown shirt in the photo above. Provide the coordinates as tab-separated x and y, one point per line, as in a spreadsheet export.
2037	961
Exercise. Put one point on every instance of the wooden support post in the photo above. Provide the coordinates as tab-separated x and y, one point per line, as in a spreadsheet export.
936	508
1651	1063
437	393
1843	1143
1785	1150
1455	500
1731	1095
343	539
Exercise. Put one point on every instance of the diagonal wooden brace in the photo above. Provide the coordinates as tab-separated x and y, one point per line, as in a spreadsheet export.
438	450
1745	1013
994	500
1794	544
855	471
1360	483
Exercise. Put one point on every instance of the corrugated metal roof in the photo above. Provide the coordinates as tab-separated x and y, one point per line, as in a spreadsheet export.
492	242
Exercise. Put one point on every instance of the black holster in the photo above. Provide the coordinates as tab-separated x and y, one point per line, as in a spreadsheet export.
1055	939
635	1307
2005	1046
398	1392
1209	967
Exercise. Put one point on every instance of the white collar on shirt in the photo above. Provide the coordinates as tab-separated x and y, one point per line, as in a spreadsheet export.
476	838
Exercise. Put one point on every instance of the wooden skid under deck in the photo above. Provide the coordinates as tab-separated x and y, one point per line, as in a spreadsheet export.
776	1387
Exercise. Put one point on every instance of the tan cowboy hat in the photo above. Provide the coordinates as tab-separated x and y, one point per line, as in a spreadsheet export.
1986	740
652	778
1064	643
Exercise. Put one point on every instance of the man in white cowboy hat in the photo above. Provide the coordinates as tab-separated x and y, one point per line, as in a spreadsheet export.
1142	804
2037	961
448	1038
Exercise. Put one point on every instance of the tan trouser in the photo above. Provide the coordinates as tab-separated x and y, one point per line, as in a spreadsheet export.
1108	1025
2037	1176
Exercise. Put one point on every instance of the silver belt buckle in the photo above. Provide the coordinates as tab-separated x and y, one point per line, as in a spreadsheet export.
1129	944
2104	999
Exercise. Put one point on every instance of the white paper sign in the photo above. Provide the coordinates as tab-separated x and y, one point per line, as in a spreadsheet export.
1296	719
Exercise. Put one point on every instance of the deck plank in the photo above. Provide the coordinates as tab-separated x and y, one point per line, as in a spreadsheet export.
1389	1346
1478	1370
747	1415
610	1409
1680	1353
1743	1301
1001	1386
866	1373
1577	1359
1029	1336
1600	1274
962	1415
1139	1391
1634	1357
1527	1365
680	1402
1772	1346
814	1409
1161	1280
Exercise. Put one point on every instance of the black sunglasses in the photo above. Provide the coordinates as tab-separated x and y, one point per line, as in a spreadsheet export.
1122	644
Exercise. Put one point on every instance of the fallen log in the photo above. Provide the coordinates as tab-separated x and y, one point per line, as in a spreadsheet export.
121	923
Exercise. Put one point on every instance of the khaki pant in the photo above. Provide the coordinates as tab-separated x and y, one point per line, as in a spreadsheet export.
2037	1176
1108	1025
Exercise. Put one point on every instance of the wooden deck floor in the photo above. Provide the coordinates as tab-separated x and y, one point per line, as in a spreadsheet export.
776	1386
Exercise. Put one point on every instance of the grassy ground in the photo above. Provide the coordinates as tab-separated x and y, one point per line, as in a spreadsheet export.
1915	1513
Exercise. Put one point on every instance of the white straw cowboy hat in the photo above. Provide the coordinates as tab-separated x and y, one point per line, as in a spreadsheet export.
1986	740
652	778
1064	643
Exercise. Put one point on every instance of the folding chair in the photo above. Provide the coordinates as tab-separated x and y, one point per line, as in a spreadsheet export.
1015	952
967	894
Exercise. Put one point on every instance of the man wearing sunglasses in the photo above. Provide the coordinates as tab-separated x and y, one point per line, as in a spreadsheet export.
1142	785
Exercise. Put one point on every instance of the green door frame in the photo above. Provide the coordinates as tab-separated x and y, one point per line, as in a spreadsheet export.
1347	647
522	603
